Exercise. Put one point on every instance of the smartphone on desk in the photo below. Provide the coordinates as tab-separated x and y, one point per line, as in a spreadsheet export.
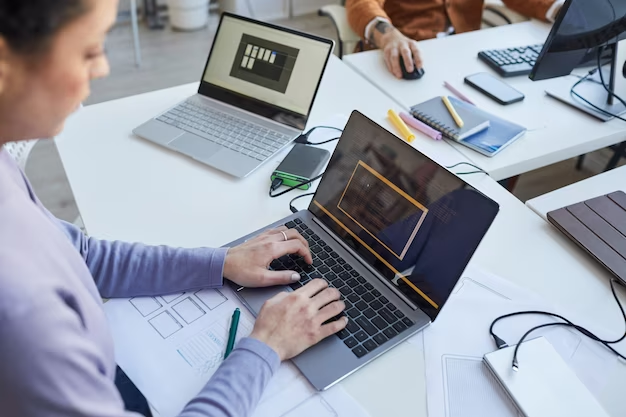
494	88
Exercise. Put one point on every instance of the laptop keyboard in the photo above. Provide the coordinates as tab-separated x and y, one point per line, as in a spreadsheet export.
225	130
372	318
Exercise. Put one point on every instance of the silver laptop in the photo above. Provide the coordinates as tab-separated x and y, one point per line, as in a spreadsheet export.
255	97
393	231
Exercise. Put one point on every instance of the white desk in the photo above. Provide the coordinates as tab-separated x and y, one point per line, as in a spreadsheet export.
601	184
556	131
128	189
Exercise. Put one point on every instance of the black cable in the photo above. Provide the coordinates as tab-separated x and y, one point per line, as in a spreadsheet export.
606	87
500	343
600	109
304	138
276	181
471	172
291	207
479	169
323	142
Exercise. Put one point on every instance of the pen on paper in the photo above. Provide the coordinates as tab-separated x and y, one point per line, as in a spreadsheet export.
232	333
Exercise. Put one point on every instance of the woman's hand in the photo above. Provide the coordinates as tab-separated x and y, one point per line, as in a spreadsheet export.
291	322
247	264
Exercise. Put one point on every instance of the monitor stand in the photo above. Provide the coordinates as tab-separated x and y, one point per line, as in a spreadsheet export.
593	91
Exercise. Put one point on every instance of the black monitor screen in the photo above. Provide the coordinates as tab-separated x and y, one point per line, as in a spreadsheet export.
410	219
581	27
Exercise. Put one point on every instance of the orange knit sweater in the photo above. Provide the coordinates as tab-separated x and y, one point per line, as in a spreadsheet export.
423	19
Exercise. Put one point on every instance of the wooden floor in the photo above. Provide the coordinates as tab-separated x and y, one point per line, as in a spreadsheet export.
172	58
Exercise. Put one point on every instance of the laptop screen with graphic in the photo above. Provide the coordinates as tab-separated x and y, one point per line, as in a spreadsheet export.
271	65
410	219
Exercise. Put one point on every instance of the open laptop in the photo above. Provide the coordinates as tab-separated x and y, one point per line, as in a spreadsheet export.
393	231
254	98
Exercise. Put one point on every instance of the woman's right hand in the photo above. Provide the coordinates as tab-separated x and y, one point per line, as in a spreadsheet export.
291	322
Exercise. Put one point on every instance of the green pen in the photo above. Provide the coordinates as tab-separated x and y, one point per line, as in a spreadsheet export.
234	324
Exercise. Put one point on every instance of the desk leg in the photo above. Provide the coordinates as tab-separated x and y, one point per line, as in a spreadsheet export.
620	151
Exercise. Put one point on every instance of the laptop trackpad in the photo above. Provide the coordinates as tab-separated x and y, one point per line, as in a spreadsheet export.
195	146
255	297
158	132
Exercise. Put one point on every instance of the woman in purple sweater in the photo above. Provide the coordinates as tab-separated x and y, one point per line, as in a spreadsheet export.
56	352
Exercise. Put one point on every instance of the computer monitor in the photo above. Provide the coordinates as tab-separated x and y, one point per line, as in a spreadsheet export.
583	28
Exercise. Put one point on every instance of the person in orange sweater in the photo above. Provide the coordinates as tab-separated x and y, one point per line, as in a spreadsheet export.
395	25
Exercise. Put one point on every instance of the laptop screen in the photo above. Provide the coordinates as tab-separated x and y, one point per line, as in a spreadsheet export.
271	71
410	219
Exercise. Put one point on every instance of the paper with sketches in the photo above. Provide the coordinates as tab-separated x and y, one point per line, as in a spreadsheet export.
171	345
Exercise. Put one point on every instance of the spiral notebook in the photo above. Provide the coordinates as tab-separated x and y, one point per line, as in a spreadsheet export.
435	114
500	133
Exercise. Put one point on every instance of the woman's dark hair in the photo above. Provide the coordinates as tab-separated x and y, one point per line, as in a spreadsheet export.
29	25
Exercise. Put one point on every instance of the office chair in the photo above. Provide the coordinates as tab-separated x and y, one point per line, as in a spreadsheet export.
20	151
497	14
348	39
135	23
494	14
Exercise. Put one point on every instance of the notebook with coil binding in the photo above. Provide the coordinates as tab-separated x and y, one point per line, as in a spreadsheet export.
435	114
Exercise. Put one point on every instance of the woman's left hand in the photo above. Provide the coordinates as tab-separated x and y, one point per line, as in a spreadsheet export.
248	263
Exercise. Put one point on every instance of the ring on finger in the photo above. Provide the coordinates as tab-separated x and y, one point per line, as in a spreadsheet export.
285	235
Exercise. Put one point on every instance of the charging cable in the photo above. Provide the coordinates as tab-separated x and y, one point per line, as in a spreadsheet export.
304	138
478	169
500	343
603	83
279	181
293	200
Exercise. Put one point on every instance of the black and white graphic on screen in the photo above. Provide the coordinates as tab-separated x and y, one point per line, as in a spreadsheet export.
264	63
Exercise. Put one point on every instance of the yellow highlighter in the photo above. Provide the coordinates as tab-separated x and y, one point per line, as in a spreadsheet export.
400	125
453	112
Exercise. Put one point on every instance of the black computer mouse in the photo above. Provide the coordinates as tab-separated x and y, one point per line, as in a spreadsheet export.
415	75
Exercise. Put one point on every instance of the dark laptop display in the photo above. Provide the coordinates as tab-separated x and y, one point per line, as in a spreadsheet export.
410	219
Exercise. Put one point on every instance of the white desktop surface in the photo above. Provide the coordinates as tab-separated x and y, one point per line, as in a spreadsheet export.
129	189
601	184
556	131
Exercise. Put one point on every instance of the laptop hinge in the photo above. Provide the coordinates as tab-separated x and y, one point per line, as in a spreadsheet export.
365	264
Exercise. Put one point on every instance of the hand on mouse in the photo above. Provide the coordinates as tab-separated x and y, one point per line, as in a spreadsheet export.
248	263
292	322
394	44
